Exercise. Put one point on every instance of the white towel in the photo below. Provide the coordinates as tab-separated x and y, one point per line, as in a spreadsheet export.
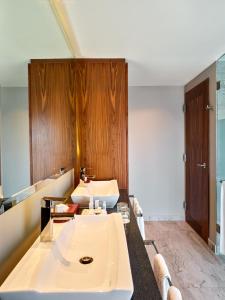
135	204
137	208
222	219
161	273
141	225
61	208
174	294
132	201
1	192
139	217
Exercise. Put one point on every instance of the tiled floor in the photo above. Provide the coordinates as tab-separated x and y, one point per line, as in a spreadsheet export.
195	270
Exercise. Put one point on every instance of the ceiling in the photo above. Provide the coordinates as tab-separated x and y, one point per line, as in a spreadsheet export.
164	42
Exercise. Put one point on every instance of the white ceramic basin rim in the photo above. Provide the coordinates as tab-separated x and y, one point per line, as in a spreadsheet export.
53	270
106	190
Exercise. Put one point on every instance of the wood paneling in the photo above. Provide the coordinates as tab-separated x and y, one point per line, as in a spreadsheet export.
52	115
78	109
101	97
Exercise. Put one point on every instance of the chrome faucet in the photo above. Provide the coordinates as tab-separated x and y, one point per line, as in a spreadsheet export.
47	205
82	173
84	176
46	220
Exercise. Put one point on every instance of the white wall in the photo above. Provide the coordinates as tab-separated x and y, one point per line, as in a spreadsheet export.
156	146
15	139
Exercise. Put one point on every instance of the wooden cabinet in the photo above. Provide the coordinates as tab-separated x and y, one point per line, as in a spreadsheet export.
52	117
101	96
81	103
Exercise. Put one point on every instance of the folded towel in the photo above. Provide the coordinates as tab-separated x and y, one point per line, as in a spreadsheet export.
137	208
139	217
161	273
222	219
139	211
141	225
135	200
61	208
174	294
135	204
72	209
1	192
131	198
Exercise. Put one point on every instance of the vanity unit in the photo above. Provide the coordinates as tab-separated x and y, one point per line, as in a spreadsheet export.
88	259
78	117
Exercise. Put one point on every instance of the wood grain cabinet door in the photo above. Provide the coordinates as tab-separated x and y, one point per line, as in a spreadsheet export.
101	94
52	116
197	163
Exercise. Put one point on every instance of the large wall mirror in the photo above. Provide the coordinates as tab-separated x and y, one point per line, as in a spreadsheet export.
28	30
15	157
14	116
14	124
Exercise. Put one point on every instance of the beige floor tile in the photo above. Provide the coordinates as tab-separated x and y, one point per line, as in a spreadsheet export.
194	268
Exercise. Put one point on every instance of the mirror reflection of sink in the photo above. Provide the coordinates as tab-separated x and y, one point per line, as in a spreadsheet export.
106	190
55	270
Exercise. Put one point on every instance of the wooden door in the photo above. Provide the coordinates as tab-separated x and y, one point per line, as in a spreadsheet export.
197	158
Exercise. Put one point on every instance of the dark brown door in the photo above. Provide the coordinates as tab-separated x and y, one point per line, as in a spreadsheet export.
197	158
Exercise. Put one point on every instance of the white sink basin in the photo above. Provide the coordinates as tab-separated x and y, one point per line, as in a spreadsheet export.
102	190
52	271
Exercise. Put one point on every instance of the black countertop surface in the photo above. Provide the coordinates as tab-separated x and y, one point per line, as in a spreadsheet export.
145	286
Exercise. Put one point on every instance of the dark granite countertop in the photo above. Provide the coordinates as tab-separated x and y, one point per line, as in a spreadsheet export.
145	286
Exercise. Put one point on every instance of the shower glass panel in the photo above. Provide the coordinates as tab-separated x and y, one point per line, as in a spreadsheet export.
220	135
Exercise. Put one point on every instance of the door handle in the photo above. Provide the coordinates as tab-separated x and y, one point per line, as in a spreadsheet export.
202	165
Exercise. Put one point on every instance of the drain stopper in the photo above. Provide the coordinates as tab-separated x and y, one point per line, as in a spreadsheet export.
86	260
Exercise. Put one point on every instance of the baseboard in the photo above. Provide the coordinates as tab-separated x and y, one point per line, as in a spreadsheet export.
212	246
164	218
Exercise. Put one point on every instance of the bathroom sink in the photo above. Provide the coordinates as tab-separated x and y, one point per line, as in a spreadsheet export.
88	259
106	190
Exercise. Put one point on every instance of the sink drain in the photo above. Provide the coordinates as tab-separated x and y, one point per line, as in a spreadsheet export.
86	260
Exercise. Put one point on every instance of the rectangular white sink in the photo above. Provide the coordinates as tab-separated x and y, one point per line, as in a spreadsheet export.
106	190
53	271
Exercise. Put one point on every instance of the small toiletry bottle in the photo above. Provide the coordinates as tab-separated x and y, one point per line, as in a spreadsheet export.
91	203
96	203
104	205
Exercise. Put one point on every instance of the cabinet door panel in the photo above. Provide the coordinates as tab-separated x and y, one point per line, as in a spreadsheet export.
102	96
52	116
